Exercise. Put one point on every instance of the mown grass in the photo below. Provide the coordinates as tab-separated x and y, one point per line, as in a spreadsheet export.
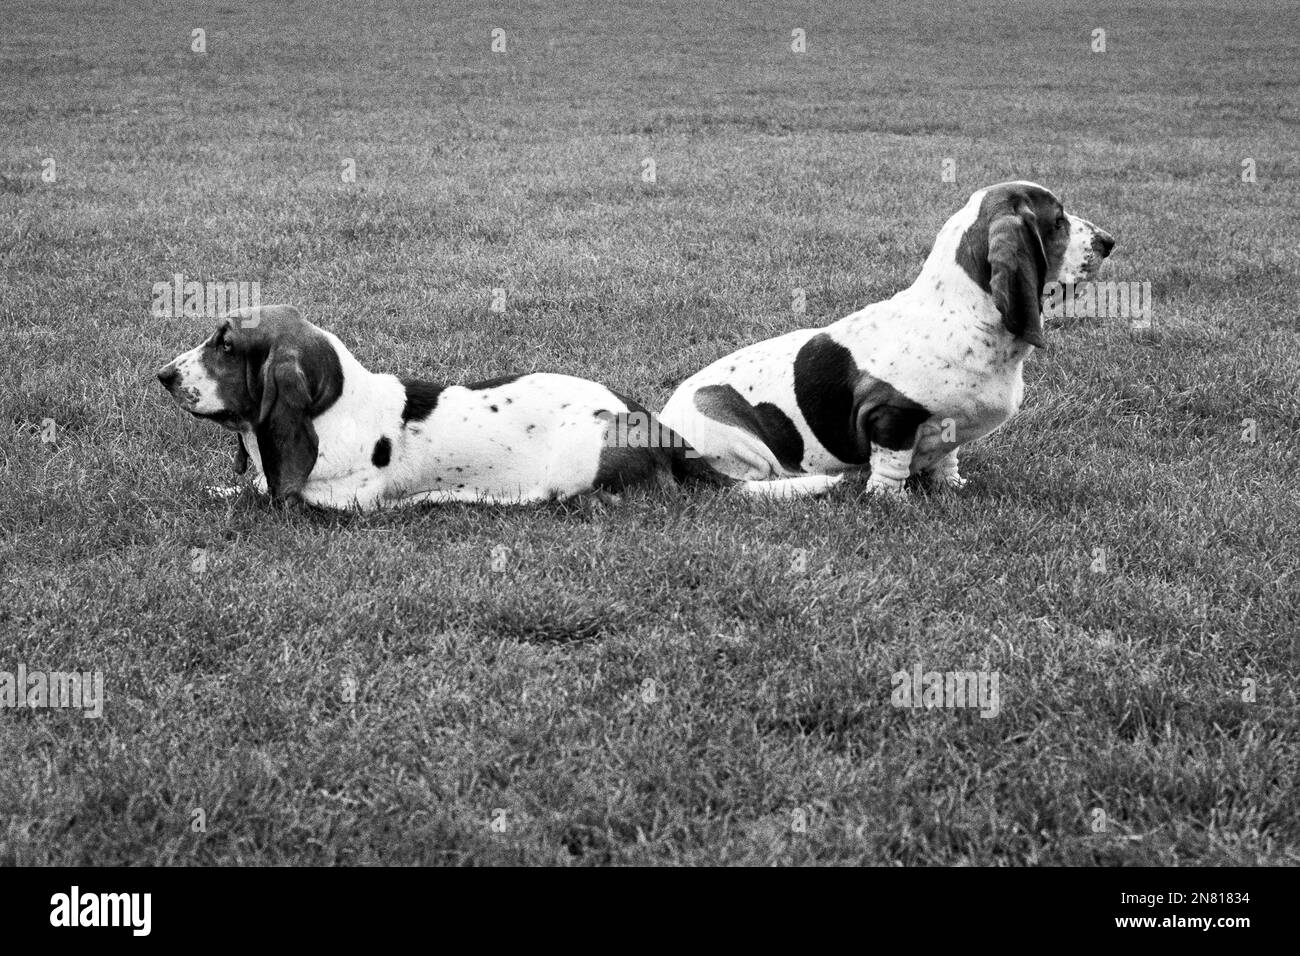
525	690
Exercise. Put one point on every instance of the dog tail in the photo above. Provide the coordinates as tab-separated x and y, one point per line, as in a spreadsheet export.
689	467
790	487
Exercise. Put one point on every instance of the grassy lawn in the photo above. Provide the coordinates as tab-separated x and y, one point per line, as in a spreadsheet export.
671	680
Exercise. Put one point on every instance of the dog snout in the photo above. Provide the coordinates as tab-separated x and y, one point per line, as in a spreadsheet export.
1103	242
168	375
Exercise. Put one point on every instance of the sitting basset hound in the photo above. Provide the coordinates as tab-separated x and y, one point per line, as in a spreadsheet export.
899	386
321	429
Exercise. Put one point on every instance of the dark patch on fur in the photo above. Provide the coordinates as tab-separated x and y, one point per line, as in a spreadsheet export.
421	399
973	249
495	382
765	421
383	453
824	379
848	411
886	416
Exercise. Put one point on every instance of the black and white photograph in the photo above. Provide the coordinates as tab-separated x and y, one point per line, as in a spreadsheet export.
650	433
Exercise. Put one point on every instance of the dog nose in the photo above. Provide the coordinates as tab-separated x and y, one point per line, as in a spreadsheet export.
168	376
1104	242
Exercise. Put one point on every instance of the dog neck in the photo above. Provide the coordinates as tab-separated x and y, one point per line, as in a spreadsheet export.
941	274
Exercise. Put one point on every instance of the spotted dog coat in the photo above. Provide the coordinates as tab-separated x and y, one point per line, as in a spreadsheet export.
318	427
899	386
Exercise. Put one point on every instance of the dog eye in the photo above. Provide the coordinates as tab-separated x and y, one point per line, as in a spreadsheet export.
225	345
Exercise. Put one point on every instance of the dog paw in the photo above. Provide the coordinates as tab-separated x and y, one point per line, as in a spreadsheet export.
879	484
942	482
938	480
222	492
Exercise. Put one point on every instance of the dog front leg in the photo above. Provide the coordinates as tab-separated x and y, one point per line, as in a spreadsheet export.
944	473
889	469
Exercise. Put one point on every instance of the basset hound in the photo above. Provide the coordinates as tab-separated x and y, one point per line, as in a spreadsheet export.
898	387
321	429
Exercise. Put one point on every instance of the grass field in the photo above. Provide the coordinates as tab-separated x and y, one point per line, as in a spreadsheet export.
658	682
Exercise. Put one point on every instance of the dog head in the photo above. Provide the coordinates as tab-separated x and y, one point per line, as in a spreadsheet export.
1020	239
269	370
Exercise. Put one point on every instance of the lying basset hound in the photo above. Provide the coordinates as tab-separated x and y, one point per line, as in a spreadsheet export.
899	386
321	429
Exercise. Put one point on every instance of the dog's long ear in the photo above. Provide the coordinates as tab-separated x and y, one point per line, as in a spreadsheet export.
286	438
1019	268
